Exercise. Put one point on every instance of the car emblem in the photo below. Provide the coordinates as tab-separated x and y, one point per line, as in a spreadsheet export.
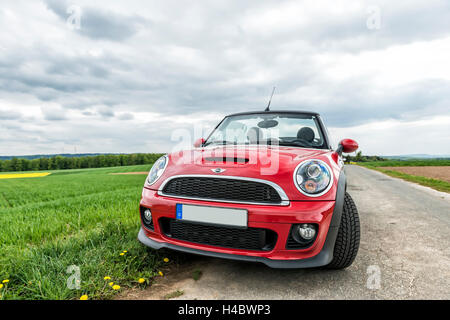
218	170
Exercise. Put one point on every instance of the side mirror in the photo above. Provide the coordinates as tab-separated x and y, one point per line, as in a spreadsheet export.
347	146
199	143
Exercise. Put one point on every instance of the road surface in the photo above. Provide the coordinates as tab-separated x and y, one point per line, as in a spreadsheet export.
404	254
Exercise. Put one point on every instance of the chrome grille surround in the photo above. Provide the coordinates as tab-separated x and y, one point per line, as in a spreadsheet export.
278	189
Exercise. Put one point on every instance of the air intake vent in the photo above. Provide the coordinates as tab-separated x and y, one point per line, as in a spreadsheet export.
227	237
231	190
226	160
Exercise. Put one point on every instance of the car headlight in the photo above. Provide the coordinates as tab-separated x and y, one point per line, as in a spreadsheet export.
157	170
313	178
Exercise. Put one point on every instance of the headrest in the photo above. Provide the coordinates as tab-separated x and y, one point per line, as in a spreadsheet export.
306	133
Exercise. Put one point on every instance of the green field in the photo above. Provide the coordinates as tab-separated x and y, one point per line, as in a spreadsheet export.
407	163
424	181
84	218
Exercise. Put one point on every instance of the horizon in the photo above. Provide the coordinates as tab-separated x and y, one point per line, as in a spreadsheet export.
118	153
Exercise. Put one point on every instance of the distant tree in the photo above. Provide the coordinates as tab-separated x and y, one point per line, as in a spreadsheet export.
34	165
7	166
16	165
358	157
43	163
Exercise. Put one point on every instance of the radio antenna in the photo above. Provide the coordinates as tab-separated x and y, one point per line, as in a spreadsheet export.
270	101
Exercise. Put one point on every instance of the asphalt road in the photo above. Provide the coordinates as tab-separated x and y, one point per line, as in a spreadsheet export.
404	254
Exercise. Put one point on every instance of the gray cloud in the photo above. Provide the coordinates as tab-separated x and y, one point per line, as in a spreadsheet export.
210	59
105	112
53	113
10	115
126	116
99	23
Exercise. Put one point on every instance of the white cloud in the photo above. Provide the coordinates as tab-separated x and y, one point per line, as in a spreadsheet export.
395	137
392	67
137	71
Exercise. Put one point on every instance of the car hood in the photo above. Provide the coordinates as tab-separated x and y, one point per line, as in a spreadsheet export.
275	164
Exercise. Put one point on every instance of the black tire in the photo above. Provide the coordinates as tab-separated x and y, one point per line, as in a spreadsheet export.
347	240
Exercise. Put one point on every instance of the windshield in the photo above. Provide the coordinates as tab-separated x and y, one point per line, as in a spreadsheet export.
301	130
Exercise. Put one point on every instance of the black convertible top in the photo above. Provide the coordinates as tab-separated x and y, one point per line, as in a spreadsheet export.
275	112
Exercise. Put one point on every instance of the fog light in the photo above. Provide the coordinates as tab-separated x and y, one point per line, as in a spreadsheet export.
148	216
307	231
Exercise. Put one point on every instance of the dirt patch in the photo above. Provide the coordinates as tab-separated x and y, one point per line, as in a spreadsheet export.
130	173
440	173
176	277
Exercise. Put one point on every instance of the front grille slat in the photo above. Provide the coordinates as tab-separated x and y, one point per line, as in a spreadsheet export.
222	189
219	236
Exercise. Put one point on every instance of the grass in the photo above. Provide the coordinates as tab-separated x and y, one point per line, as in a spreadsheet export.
407	163
174	294
84	218
424	181
197	274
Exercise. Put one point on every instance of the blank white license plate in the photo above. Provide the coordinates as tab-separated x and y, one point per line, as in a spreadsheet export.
212	215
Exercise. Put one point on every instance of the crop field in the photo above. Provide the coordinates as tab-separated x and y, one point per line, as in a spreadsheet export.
24	175
433	173
87	219
439	173
408	163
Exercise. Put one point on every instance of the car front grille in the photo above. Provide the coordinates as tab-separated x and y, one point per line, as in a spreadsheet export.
219	236
222	189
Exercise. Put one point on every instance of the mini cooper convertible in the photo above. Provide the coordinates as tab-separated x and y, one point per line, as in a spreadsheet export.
264	187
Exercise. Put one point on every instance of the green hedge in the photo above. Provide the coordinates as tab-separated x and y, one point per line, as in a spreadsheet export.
61	163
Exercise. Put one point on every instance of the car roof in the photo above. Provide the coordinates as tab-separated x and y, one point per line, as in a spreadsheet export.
275	112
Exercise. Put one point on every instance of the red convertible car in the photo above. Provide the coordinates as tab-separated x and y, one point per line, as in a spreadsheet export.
264	186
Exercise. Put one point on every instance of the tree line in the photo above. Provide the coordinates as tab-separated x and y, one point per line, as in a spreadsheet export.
62	163
360	158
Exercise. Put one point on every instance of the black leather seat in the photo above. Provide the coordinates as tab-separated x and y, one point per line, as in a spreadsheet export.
306	134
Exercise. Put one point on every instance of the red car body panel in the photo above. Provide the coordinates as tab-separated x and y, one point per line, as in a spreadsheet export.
194	162
276	166
279	218
276	218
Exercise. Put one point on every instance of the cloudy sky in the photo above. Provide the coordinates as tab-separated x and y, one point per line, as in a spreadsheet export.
135	76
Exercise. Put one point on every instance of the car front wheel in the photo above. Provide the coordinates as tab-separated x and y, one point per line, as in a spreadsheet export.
347	241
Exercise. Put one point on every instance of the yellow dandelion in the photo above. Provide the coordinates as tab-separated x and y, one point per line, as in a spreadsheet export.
107	278
116	287
141	280
122	254
125	251
166	259
84	297
111	284
160	273
5	281
1	285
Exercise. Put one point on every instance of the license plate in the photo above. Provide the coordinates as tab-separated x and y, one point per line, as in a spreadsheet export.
212	215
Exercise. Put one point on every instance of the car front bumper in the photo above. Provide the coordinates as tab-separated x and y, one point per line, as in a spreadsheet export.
280	219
